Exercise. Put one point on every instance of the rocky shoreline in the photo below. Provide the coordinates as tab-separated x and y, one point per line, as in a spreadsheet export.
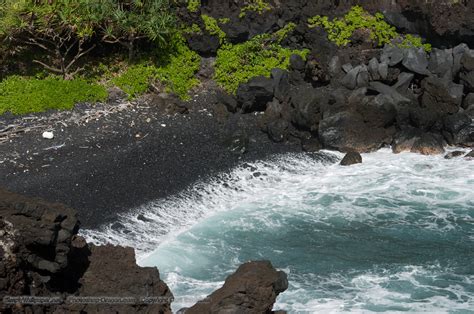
42	257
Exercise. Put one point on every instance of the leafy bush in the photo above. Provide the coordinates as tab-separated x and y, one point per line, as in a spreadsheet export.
21	95
179	68
213	28
340	30
175	69
258	6
194	5
236	64
135	80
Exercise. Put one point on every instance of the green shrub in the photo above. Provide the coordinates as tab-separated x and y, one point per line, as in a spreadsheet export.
258	6
194	5
236	64
213	28
21	95
135	80
340	30
179	69
175	69
410	41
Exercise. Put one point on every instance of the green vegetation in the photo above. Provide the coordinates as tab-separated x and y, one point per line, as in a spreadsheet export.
20	95
213	28
258	6
194	5
340	30
236	64
175	70
179	69
62	32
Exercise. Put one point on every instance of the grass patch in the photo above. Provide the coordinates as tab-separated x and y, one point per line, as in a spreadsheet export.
340	30
22	95
175	69
236	64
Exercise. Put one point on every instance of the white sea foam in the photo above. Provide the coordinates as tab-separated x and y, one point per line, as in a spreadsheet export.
291	178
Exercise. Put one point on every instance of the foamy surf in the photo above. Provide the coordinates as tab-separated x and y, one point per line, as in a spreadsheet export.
394	234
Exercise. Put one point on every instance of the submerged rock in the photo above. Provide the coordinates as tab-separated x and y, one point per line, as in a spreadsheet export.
454	154
253	288
351	159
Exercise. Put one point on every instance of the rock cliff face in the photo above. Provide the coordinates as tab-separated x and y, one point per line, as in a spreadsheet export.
42	256
443	22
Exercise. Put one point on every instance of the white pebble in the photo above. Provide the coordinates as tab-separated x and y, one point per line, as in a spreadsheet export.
48	135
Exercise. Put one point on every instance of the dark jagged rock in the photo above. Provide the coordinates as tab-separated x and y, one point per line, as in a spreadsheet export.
392	55
470	155
351	159
441	62
41	255
306	102
356	78
228	101
428	144
454	154
255	94
416	61
347	132
405	139
441	95
311	145
278	130
281	84
297	63
253	288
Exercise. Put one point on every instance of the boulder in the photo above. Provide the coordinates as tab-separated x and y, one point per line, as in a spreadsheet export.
404	140
374	69
454	154
281	84
356	78
458	53
255	94
441	96
470	155
428	144
204	44
297	62
351	158
306	101
228	101
441	62
416	61
347	132
467	79
467	60
468	101
113	272
311	145
389	92
253	288
404	82
278	130
392	55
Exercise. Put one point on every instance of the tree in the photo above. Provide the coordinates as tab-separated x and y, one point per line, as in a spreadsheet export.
61	29
128	21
